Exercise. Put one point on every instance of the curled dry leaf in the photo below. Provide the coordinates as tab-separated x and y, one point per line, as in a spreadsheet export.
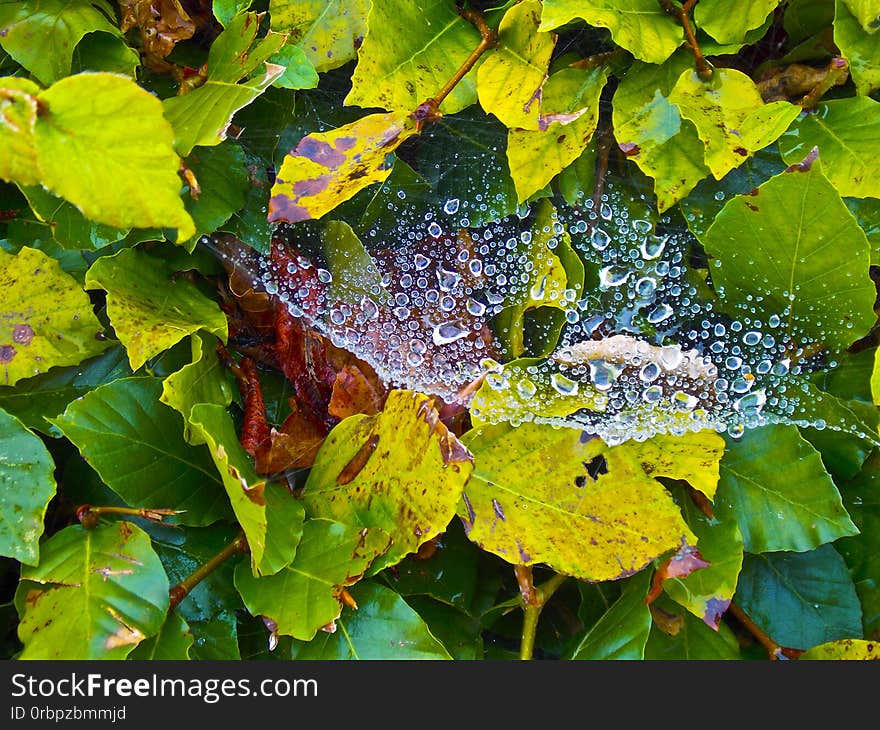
162	24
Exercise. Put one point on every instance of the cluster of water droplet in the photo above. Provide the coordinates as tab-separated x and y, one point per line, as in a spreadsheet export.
645	347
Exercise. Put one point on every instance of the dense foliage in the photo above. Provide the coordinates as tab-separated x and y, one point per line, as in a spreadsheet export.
424	329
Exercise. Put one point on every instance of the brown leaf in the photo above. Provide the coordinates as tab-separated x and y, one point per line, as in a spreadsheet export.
354	393
680	565
162	24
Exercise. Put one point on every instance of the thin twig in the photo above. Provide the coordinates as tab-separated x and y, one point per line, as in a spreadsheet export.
682	14
776	651
429	110
182	590
88	515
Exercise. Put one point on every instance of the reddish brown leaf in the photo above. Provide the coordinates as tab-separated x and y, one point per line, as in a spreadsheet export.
354	393
683	563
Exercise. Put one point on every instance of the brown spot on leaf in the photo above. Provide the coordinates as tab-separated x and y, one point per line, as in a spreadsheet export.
496	508
7	352
741	151
321	152
282	208
807	163
715	609
22	334
358	461
311	187
630	149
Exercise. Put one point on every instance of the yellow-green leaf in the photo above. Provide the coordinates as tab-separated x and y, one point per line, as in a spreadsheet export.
859	46
728	25
46	319
18	116
326	30
96	594
850	649
151	309
327	168
651	132
510	79
555	496
640	26
410	51
867	12
568	117
103	144
401	471
847	134
304	596
730	116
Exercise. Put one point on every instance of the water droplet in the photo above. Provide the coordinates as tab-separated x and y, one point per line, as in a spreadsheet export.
451	206
653	246
611	276
435	230
603	374
660	313
447	332
563	385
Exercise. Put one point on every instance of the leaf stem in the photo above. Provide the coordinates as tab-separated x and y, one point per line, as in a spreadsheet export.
682	14
88	515
182	590
776	651
534	600
429	110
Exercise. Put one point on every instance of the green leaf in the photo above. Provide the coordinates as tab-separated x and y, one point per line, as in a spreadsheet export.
384	627
800	599
304	597
692	640
623	630
298	70
105	52
859	47
510	79
327	31
546	506
847	133
27	483
775	244
238	72
554	268
460	634
226	10
715	17
850	649
862	554
569	114
223	181
409	52
270	517
91	150
651	131
150	307
731	118
327	168
202	381
210	609
95	595
707	592
867	213
795	509
45	319
37	399
41	34
640	26
374	471
69	227
136	444
173	642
